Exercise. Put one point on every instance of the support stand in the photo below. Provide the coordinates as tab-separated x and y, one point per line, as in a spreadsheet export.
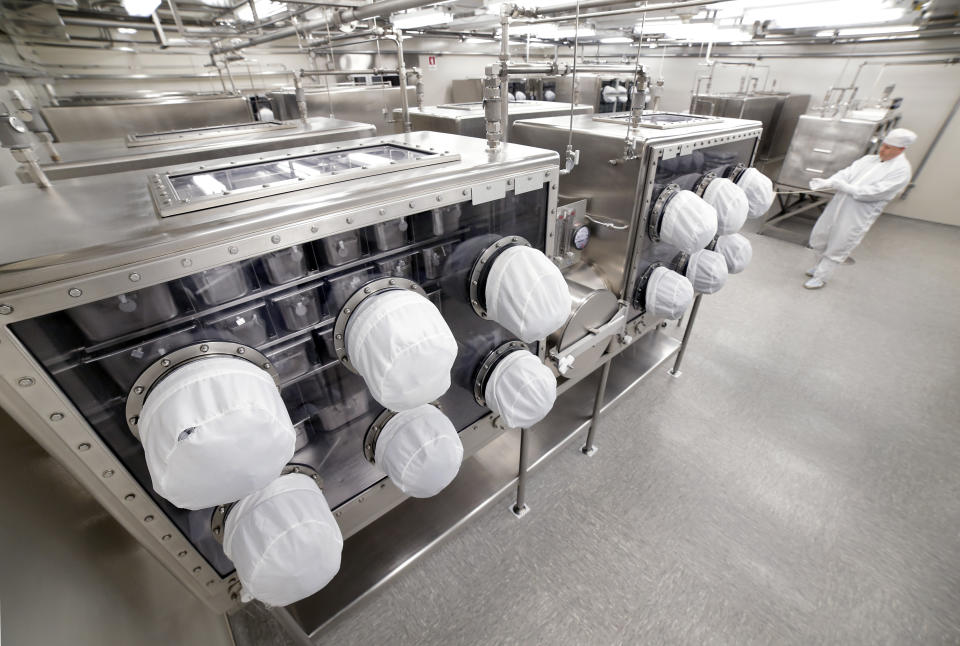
675	371
589	449
520	508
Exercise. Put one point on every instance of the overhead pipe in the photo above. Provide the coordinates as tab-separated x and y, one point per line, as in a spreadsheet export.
505	10
331	19
613	12
79	21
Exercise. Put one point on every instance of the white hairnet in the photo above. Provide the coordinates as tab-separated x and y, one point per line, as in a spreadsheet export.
759	190
283	540
520	389
420	451
213	431
707	271
401	346
736	250
526	293
900	137
730	202
668	294
688	222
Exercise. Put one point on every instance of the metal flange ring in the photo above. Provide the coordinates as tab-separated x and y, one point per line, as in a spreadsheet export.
679	262
489	363
656	211
372	288
734	173
701	185
220	512
483	263
373	433
173	360
641	286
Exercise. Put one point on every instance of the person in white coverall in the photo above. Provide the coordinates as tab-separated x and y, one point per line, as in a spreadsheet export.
862	190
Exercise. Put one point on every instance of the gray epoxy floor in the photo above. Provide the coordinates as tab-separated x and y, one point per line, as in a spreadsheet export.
799	484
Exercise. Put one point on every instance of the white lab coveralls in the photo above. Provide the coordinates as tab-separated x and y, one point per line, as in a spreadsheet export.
863	189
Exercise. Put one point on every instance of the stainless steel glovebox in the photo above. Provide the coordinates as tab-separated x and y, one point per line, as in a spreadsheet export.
251	255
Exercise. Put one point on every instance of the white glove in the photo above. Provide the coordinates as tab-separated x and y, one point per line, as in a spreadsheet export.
818	184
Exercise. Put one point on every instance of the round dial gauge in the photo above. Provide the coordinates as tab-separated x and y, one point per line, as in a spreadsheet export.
581	236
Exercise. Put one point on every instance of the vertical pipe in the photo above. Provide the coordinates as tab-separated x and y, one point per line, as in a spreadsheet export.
300	97
675	371
402	69
589	448
505	10
520	507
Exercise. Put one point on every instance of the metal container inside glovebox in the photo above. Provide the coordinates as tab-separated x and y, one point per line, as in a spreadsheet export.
112	317
336	396
298	309
340	288
402	266
285	265
433	259
294	358
390	235
247	325
220	284
125	365
341	248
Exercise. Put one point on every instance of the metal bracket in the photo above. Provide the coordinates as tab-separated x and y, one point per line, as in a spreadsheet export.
656	211
160	368
483	263
614	327
220	512
372	288
489	363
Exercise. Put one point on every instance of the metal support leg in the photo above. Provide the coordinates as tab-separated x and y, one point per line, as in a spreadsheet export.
589	448
675	371
520	508
290	625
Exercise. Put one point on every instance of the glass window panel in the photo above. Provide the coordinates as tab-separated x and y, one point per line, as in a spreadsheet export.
284	304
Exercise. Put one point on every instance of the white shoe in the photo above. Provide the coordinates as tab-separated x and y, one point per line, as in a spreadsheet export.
811	272
814	283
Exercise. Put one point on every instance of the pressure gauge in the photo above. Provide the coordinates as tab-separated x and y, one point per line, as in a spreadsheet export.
581	236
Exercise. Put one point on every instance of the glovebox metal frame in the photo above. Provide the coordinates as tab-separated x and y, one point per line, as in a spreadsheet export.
32	398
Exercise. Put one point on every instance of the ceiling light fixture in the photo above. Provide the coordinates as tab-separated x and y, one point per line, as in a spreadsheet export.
126	30
140	7
422	17
616	40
